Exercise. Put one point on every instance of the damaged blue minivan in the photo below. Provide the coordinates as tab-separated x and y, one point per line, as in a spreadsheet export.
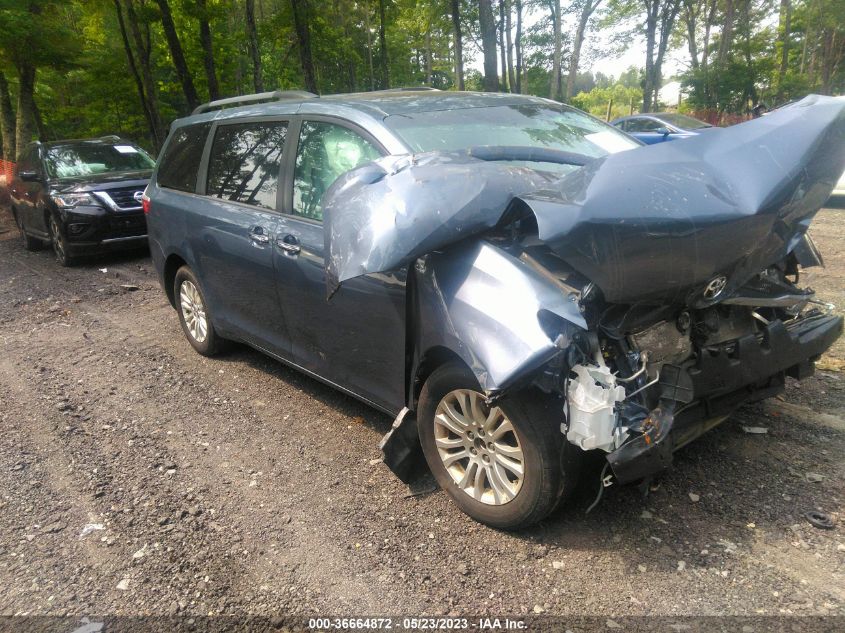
514	280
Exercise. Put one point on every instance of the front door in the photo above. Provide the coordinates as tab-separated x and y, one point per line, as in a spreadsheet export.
233	236
27	194
357	339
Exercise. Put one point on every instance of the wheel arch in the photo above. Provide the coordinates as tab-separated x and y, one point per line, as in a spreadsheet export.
428	362
171	265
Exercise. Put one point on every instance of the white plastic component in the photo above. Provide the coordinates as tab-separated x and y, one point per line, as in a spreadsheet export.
592	408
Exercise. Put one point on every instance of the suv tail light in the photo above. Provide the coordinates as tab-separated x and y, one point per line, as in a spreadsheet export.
145	202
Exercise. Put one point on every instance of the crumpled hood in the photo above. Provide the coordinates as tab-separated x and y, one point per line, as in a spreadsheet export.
653	223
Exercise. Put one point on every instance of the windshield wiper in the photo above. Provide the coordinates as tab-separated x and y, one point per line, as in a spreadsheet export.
528	154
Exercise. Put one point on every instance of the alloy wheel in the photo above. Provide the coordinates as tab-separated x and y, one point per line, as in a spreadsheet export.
479	447
193	311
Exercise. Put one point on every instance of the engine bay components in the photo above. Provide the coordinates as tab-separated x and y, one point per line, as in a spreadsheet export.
592	405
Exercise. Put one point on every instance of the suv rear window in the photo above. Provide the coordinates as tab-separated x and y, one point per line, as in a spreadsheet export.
181	159
245	161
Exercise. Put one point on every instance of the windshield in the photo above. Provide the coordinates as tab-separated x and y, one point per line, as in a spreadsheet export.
523	125
683	121
85	159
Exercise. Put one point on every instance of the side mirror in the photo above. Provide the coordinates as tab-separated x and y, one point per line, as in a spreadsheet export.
29	176
662	130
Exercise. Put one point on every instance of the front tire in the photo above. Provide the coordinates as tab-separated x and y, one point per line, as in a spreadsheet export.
194	314
60	243
502	465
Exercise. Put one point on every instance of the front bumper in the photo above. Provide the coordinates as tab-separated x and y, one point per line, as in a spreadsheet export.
90	230
750	368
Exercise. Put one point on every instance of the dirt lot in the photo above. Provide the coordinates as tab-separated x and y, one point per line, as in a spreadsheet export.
238	486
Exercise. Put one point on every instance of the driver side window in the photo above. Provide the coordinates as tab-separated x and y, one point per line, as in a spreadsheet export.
325	152
643	125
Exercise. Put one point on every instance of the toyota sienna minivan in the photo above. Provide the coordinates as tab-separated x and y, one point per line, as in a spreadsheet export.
515	281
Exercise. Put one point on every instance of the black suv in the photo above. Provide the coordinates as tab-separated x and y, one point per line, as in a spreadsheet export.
82	196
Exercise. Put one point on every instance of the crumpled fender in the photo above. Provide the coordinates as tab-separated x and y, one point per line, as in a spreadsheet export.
387	213
489	307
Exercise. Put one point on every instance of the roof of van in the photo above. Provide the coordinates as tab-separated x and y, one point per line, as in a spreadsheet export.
378	104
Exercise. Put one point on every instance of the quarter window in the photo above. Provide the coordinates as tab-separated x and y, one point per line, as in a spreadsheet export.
325	152
245	161
180	163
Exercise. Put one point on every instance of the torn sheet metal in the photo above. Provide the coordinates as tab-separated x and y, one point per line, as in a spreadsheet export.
389	212
653	223
497	312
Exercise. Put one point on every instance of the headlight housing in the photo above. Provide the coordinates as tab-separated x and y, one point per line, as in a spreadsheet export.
70	200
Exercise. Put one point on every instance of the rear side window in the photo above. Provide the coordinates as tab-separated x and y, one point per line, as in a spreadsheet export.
181	159
244	162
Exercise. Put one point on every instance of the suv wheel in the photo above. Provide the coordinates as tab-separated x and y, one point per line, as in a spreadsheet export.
194	314
502	465
60	243
29	243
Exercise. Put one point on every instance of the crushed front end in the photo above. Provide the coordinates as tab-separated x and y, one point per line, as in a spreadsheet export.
652	290
660	376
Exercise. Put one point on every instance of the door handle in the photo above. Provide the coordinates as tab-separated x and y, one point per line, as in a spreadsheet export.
289	244
258	236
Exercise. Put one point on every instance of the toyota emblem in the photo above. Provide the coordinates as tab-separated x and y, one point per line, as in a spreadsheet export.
715	287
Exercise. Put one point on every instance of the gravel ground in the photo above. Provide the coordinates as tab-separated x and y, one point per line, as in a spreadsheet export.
141	478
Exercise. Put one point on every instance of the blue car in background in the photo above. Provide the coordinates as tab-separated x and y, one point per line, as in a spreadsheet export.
657	127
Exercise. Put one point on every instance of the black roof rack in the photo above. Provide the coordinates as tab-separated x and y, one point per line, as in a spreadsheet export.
278	95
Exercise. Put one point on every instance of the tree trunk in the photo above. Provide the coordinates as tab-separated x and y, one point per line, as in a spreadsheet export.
428	64
668	13
25	125
382	37
584	19
650	37
252	42
705	51
149	90
691	11
139	84
786	26
177	55
488	45
503	63
208	51
659	14
518	44
7	120
303	34
369	46
459	44
509	42
726	37
554	88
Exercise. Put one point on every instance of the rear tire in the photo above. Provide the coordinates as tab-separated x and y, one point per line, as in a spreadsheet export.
194	314
533	446
29	243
